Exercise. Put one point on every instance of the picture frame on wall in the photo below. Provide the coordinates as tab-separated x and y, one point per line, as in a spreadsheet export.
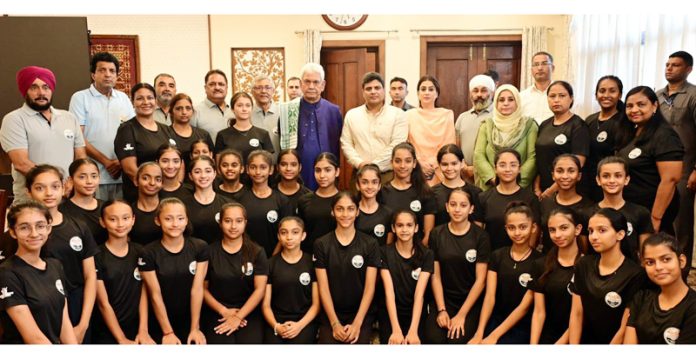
126	50
248	63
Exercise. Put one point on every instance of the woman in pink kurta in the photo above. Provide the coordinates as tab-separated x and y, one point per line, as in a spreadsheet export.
429	128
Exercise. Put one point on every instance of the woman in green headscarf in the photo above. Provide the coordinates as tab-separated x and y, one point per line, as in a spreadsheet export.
506	129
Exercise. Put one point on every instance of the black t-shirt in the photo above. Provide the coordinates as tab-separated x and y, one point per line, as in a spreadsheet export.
604	297
376	225
234	196
295	197
291	287
132	139
263	216
404	273
638	222
185	144
511	287
602	141
346	268
244	141
175	272
442	192
655	325
89	217
315	211
492	208
185	190
583	208
572	136
663	146
70	242
205	218
41	290
408	199
557	298
230	281
458	256
8	246
145	230
122	281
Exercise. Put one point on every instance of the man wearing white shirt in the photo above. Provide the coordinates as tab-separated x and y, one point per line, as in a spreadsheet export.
534	102
371	130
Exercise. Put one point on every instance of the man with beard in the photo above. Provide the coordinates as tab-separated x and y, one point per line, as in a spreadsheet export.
398	89
481	90
534	101
165	88
38	133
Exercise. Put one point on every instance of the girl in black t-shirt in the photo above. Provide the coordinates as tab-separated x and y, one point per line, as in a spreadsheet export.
374	218
551	279
71	243
406	269
170	160
185	135
121	298
450	159
230	166
288	180
173	270
201	148
603	284
84	180
667	315
461	253
291	302
264	205
315	208
149	183
33	309
346	267
409	189
242	135
235	284
505	316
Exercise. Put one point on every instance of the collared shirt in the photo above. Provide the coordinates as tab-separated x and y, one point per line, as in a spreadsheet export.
679	110
535	104
406	107
466	128
368	137
101	115
268	120
162	117
51	142
211	118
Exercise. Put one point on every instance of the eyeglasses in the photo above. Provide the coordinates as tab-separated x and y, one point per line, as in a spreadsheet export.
544	63
261	88
26	229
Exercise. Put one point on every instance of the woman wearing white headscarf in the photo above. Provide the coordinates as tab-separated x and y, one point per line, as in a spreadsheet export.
506	129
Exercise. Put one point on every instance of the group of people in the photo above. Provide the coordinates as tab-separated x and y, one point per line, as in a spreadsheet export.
157	220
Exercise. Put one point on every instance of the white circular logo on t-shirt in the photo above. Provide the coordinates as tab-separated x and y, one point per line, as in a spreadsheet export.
217	217
136	274
192	267
524	279
471	255
59	286
248	269
69	134
314	259
357	261
379	230
629	227
76	243
254	142
602	136
560	139
572	280
671	335
272	216
305	278
415	206
612	299
172	142
415	274
634	153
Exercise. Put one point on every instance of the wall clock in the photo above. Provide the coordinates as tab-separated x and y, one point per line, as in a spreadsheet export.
344	22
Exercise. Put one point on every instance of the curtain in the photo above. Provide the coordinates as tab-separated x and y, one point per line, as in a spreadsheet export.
632	47
312	40
534	39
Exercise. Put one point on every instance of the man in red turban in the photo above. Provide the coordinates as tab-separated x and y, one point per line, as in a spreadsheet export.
39	80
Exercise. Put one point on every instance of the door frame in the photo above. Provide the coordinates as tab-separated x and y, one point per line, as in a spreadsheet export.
379	44
425	41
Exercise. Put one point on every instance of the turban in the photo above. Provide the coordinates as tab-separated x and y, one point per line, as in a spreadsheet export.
27	75
482	80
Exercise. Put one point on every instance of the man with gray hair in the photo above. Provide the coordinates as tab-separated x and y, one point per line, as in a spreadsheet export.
481	90
311	124
165	89
265	113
